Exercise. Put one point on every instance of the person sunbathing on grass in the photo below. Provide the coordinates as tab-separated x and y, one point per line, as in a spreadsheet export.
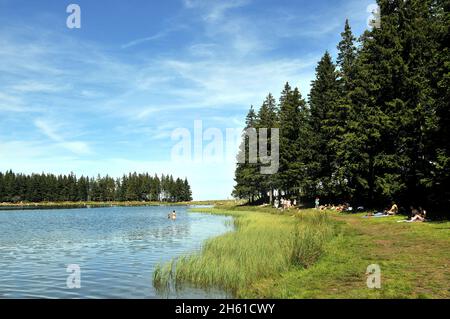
386	212
414	211
419	215
378	214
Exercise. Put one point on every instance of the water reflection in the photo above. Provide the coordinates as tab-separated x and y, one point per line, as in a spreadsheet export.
117	249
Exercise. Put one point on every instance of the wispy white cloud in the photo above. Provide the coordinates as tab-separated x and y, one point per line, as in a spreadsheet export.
169	30
38	87
48	129
12	151
213	10
203	49
157	36
10	103
71	93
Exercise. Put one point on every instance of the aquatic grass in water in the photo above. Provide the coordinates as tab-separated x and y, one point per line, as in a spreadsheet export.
261	245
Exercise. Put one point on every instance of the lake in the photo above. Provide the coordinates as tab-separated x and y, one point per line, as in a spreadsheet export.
116	248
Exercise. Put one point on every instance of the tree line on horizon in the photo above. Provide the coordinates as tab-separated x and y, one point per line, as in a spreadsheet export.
375	126
36	188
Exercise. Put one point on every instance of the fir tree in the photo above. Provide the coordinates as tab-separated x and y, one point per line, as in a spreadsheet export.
246	174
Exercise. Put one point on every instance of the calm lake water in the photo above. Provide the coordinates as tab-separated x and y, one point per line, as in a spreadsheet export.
117	249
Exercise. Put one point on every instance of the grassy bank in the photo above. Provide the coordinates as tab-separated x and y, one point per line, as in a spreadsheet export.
311	255
414	260
261	245
43	205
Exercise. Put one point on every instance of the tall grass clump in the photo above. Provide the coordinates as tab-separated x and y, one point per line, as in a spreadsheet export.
311	233
262	246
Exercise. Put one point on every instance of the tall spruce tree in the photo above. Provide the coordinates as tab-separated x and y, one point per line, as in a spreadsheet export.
439	178
346	56
378	120
247	173
346	63
292	110
323	102
267	119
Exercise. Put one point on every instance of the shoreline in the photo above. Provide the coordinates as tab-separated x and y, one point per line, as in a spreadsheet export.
262	245
245	263
67	205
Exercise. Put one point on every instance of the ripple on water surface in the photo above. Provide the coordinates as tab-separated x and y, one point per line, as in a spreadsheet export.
117	249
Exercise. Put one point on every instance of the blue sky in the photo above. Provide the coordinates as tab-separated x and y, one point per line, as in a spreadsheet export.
106	98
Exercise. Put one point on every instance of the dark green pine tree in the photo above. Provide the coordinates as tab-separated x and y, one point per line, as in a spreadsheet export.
96	191
267	119
171	188
419	51
291	117
346	57
2	187
326	128
187	192
439	146
369	123
83	188
247	174
156	189
48	187
391	102
346	115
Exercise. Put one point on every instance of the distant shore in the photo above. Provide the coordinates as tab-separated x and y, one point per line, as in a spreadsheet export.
90	204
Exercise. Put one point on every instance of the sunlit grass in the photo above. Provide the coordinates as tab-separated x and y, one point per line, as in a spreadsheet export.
310	254
261	245
414	260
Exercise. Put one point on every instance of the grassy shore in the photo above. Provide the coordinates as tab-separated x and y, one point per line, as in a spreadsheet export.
44	205
261	246
307	254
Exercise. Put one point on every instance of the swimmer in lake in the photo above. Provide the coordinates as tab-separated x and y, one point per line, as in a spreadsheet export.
172	215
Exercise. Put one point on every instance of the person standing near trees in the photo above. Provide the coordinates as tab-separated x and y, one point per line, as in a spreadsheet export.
317	202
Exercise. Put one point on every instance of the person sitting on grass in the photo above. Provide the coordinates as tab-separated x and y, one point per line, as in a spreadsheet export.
288	204
394	210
